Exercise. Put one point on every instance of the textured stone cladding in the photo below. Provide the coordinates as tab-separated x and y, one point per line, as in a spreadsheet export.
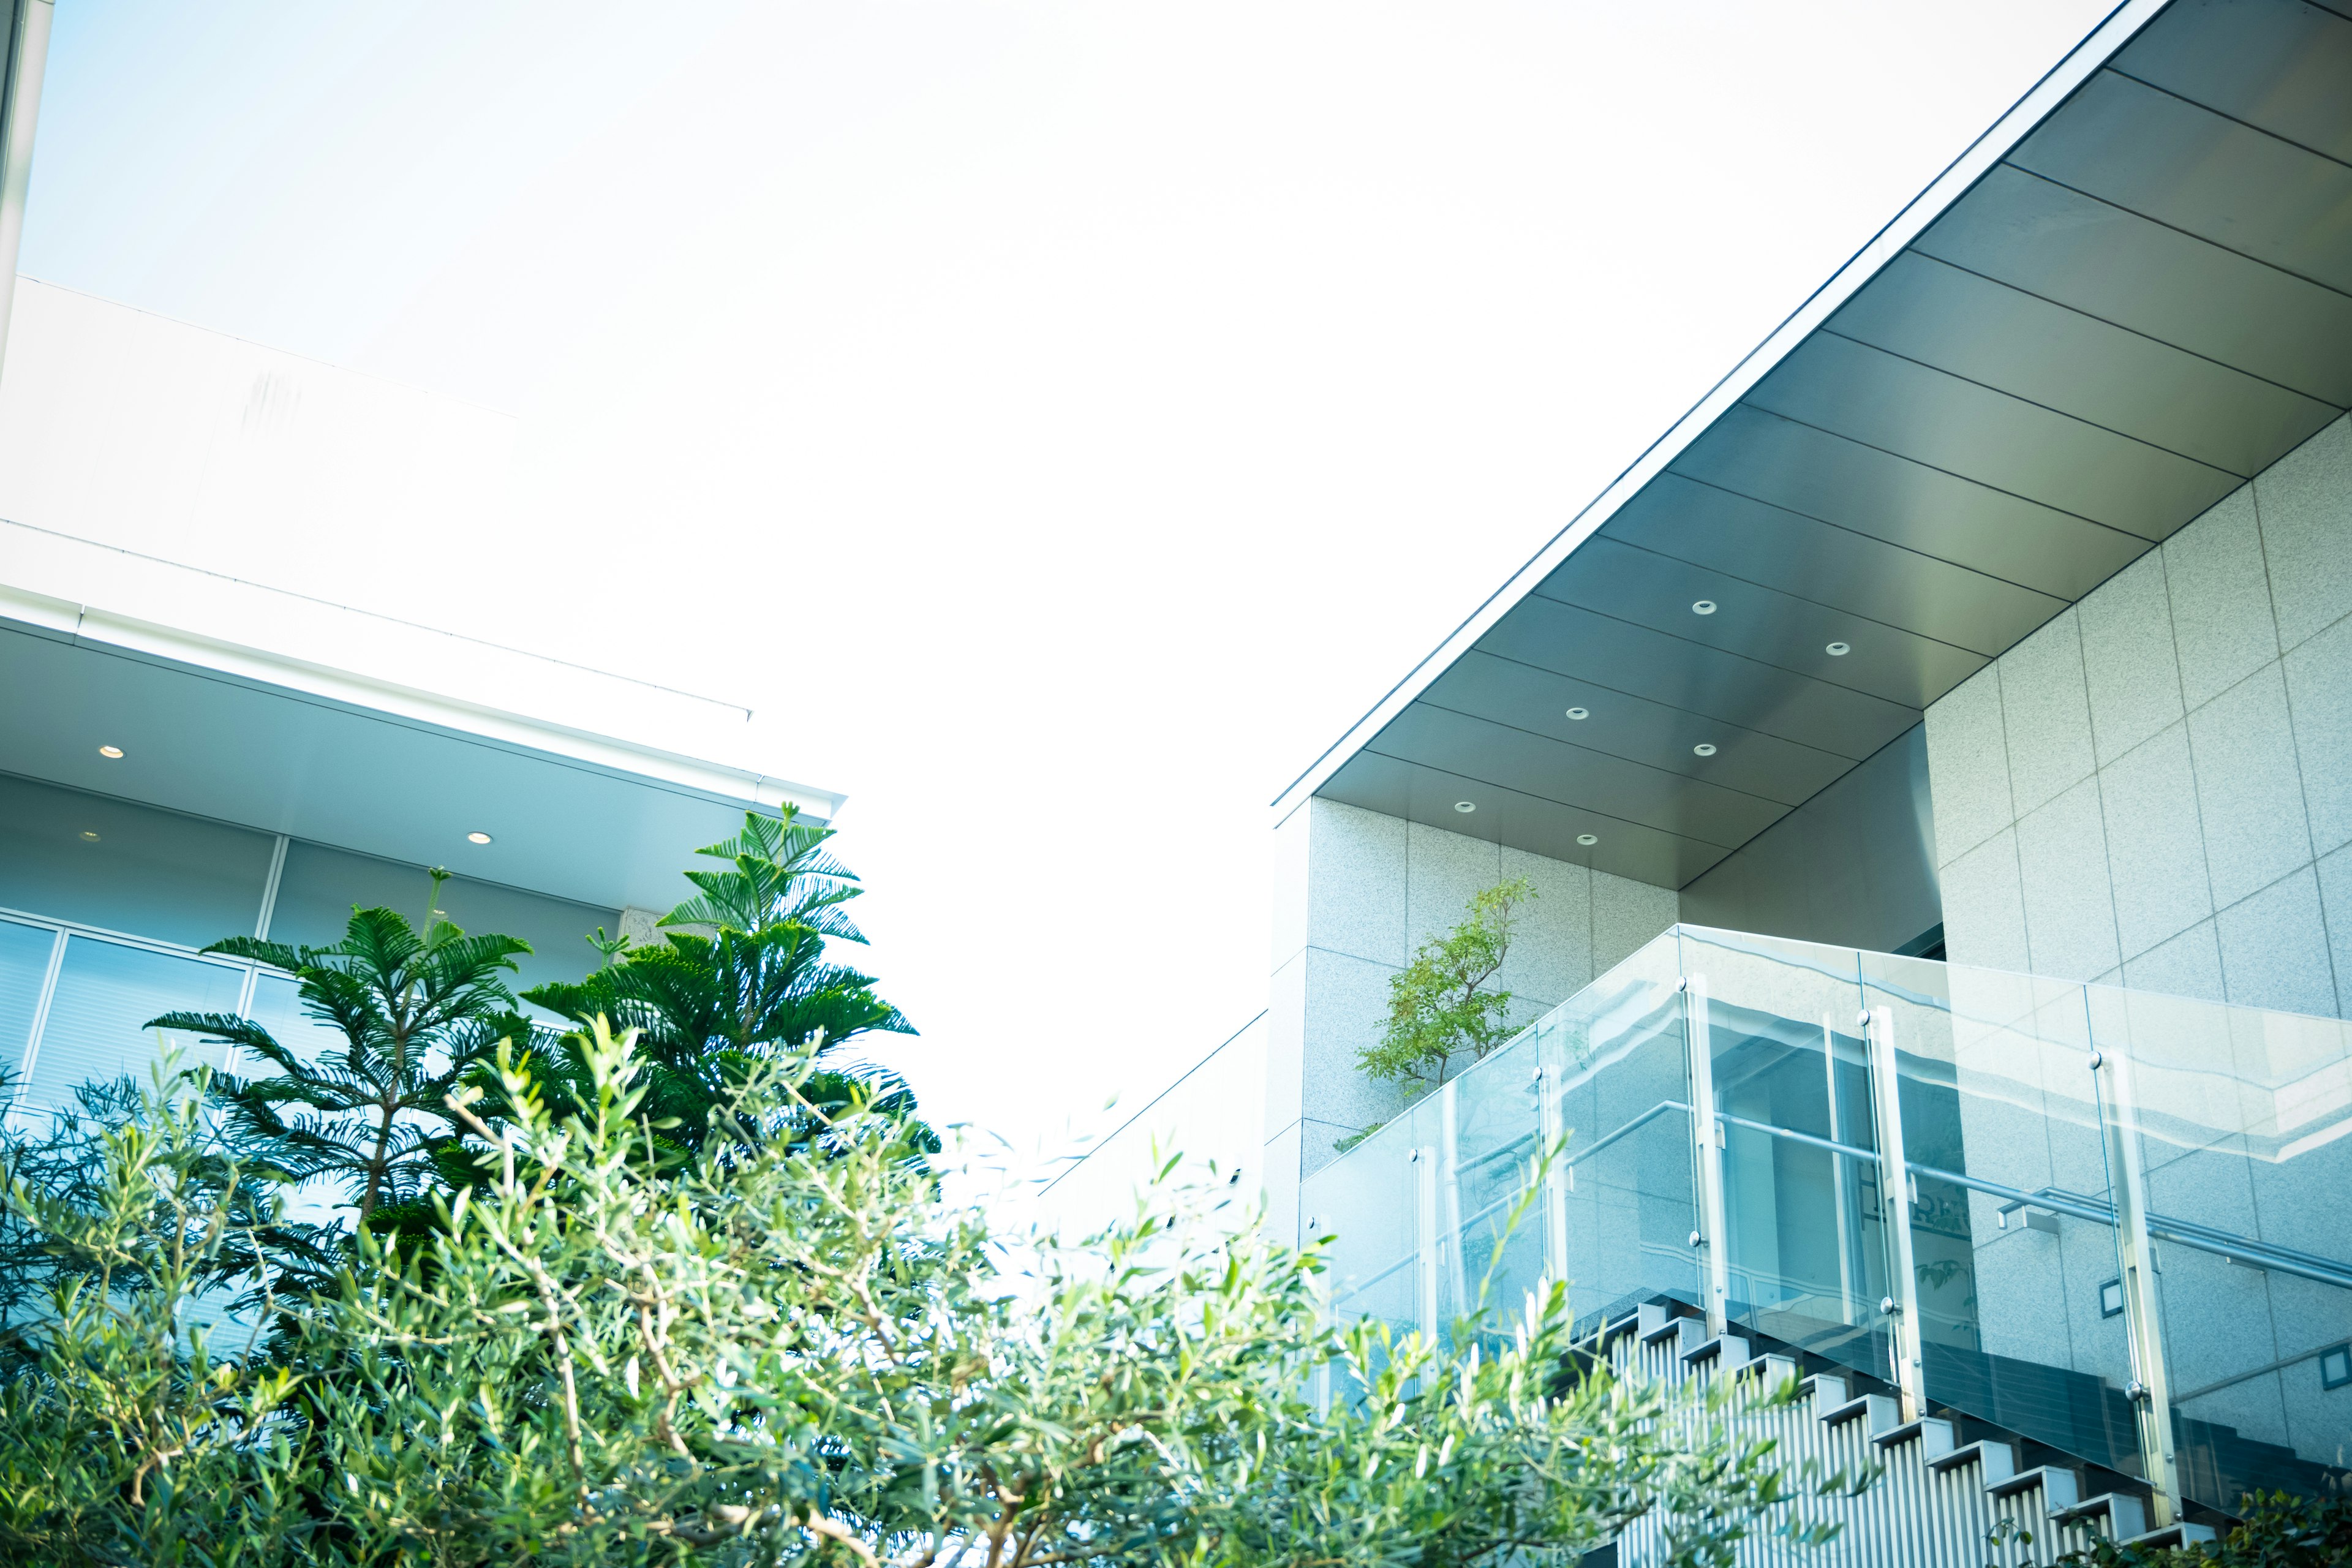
1355	892
2154	790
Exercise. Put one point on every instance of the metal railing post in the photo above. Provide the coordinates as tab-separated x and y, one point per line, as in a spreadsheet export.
1557	1173
2151	1387
1707	1146
1901	1303
1424	1184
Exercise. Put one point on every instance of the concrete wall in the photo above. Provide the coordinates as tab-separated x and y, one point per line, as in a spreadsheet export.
1354	892
2156	789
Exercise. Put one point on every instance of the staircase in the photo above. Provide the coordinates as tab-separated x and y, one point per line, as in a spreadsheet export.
1945	1499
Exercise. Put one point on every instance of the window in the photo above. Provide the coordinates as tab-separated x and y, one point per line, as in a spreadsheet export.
24	965
2336	1367
106	992
2110	1299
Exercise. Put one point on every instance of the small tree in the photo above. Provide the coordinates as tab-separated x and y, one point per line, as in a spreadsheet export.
741	978
415	1011
1438	1008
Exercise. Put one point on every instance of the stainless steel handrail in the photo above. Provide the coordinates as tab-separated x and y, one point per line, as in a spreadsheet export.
2186	1232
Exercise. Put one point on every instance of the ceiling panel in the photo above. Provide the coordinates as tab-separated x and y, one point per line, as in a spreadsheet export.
1759	623
1635	728
1546	769
2146	299
1426	795
2093	256
1628	658
2278	64
1962	427
2019	343
215	746
1680	516
1810	471
2126	142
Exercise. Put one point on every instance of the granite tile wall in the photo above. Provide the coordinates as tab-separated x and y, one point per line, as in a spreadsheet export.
2155	789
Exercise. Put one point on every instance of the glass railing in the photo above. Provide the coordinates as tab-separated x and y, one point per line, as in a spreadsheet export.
2113	1223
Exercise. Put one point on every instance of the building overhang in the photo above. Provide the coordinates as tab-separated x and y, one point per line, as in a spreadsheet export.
2124	300
364	733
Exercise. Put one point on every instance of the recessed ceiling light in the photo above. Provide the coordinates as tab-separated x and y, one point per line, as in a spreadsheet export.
86	833
1586	839
114	752
1465	805
1704	749
1840	649
1580	712
1703	607
477	838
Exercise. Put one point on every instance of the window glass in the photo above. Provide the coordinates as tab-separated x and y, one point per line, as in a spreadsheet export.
277	1006
106	992
105	862
23	961
320	887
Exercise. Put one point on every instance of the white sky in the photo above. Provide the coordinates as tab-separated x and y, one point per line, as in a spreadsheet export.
1074	413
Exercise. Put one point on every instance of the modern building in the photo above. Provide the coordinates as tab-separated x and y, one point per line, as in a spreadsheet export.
1933	759
189	753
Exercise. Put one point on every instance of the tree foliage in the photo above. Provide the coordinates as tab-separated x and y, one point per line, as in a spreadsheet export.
1440	1011
741	977
803	1352
415	1008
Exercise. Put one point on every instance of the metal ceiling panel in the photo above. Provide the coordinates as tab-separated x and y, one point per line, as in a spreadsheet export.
2116	265
1963	428
2126	142
1691	676
1635	728
1426	795
2028	347
1812	472
1763	624
2129	295
1546	769
1680	516
2278	64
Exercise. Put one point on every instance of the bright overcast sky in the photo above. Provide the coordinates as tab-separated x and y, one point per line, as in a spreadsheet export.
1073	415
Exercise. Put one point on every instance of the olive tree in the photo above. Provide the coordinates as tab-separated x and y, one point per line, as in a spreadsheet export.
795	1347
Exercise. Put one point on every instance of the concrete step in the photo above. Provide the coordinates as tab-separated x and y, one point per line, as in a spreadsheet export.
2182	1534
2062	1489
1997	1460
1827	1389
1728	1352
1933	1434
1775	1371
2125	1513
1877	1411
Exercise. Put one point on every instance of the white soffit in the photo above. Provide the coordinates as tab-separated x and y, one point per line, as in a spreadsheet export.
2121	302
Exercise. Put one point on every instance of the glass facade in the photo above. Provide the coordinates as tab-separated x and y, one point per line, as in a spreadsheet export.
104	904
2105	1221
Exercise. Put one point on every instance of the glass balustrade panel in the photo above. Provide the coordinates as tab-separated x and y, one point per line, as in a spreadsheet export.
1489	1146
1620	1205
1804	1243
2241	1123
2010	1208
1368	1200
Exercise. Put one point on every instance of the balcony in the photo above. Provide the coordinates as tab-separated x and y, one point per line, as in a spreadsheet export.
2111	1224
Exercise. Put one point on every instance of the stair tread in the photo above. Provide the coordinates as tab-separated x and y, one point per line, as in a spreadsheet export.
1977	1452
2036	1477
